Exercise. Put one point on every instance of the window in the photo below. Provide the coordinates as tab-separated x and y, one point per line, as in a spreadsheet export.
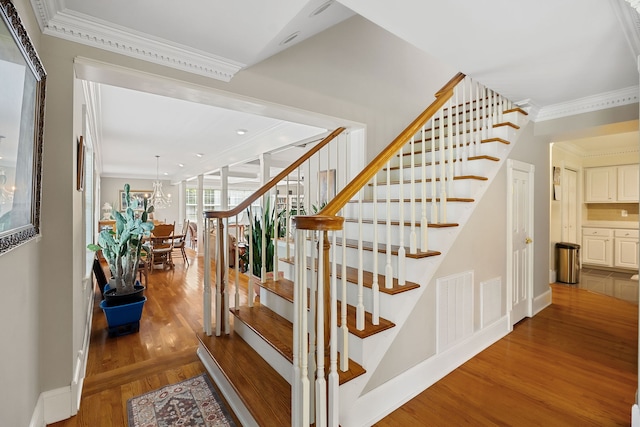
212	199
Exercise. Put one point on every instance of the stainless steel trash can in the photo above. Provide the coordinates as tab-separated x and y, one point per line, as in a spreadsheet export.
568	262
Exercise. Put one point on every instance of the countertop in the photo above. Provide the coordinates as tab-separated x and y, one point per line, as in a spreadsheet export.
611	224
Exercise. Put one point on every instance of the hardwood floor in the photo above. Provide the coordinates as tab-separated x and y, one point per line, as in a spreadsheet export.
573	364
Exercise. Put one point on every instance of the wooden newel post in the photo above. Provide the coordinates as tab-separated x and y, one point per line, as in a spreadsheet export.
322	223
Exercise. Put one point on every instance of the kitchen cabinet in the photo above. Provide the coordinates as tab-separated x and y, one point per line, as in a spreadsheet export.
626	249
597	246
628	183
612	184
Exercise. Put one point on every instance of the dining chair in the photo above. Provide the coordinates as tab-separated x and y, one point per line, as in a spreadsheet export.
193	233
162	245
180	242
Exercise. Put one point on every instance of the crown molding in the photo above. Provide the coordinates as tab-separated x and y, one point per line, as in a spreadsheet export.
616	98
92	32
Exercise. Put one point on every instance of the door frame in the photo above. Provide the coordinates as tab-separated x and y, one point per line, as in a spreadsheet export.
579	197
529	169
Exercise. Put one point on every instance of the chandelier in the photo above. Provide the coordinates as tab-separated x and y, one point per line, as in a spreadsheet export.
158	199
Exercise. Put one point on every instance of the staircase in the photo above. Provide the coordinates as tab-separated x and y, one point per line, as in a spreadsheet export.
398	219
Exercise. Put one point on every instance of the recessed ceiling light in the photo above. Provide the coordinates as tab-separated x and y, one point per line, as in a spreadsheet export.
321	8
289	38
241	131
181	165
166	173
199	154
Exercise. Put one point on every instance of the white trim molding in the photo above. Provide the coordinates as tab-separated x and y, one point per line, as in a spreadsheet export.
615	98
90	31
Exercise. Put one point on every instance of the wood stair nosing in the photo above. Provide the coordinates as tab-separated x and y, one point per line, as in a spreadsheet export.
455	178
483	141
382	248
264	392
367	277
418	136
419	165
405	224
278	332
417	200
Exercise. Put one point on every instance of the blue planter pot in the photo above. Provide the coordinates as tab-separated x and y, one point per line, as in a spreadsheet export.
123	319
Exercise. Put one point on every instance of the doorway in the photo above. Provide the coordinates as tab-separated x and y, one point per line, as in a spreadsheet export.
520	179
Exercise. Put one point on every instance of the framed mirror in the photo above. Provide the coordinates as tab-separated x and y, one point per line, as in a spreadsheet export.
22	91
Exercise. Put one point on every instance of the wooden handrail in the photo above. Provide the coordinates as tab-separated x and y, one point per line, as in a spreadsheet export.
347	193
274	181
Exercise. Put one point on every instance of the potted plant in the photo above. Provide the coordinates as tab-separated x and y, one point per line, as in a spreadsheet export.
122	249
267	221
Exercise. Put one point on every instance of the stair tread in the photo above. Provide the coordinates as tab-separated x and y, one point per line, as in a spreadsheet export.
471	158
278	332
382	248
406	223
417	199
455	178
367	277
428	150
263	391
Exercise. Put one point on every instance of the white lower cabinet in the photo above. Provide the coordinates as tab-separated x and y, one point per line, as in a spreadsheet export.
597	246
626	249
610	247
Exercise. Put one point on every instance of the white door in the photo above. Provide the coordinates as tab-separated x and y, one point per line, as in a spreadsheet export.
570	206
520	240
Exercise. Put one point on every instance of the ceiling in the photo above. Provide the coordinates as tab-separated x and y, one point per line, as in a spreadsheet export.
557	57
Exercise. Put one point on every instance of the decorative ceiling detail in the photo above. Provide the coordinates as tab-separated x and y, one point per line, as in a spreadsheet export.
611	99
86	30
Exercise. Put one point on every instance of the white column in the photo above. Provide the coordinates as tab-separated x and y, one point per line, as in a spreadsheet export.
199	210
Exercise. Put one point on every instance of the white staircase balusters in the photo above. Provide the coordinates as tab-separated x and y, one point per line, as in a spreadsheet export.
424	226
388	269
287	221
401	273
413	244
375	286
360	305
459	130
465	145
344	355
263	241
321	384
236	264
219	278
434	192
250	286
206	295
275	239
443	170
334	380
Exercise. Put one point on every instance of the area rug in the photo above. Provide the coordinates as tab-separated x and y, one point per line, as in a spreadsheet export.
192	402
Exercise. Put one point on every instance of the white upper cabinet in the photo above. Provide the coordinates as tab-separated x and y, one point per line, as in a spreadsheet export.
628	179
600	185
612	184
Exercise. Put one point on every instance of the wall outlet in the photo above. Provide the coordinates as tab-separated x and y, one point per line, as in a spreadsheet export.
624	212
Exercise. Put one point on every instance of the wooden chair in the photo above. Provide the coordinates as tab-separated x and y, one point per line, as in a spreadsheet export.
180	242
98	272
193	233
143	269
162	246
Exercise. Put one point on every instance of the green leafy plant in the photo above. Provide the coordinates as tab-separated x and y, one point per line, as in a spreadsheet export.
123	247
268	221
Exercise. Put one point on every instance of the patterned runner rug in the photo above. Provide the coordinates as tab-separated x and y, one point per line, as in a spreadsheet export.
192	402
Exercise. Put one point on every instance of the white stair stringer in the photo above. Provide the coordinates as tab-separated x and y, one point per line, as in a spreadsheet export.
421	271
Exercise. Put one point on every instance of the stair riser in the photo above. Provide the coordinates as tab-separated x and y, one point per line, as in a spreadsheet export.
470	167
454	210
463	188
434	234
268	353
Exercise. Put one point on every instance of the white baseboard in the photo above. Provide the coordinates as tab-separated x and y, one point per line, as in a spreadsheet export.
635	416
541	302
37	418
57	404
377	404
